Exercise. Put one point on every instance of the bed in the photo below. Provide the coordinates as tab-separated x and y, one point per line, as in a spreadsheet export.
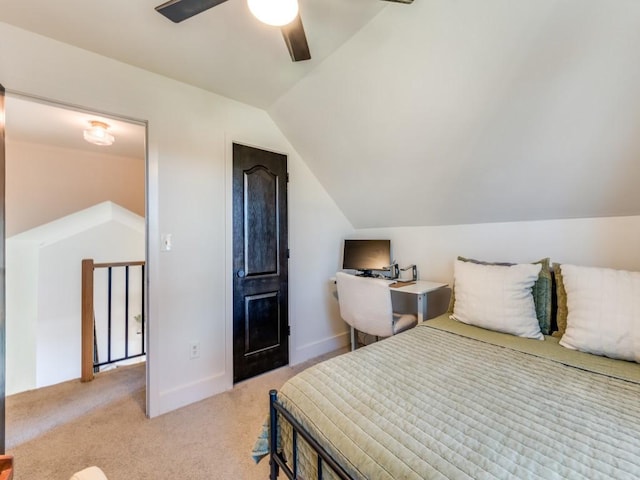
451	400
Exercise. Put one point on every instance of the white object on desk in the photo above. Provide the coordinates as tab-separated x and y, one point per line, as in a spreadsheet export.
420	288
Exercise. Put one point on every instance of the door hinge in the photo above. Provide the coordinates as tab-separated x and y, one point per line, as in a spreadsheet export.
287	177
288	253
288	330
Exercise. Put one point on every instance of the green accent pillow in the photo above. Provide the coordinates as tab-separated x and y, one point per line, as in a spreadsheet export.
541	292
561	296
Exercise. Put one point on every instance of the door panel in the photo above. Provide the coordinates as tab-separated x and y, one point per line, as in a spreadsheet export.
260	222
262	324
260	297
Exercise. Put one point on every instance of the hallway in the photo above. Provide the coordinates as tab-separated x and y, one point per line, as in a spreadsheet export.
33	413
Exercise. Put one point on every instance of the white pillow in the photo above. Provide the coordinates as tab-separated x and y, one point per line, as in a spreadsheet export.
497	298
604	311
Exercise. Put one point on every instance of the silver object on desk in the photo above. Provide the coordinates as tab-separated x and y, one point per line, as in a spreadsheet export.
414	272
394	270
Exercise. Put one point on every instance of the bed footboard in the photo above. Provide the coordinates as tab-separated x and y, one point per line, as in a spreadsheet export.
276	459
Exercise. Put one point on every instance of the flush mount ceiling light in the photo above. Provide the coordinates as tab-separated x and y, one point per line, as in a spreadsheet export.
274	12
98	134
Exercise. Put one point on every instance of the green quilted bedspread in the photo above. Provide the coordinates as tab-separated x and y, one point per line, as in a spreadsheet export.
447	400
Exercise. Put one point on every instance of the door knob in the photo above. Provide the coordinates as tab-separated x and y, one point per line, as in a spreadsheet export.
240	273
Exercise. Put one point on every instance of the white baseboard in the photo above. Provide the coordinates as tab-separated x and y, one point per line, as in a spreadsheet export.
192	392
320	347
184	395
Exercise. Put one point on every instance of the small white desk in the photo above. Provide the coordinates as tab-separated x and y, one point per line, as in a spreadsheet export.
420	288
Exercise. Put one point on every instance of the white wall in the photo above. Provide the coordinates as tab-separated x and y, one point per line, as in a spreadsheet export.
44	290
46	182
21	315
189	134
604	242
311	294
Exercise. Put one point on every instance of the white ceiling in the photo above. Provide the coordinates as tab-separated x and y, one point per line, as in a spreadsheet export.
439	112
471	112
223	50
31	121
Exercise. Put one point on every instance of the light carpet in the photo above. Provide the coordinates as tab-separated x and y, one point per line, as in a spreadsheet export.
59	430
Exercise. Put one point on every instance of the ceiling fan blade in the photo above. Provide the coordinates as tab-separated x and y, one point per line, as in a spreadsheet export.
179	10
296	40
400	1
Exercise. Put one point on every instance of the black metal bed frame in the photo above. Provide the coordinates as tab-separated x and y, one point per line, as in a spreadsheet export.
276	458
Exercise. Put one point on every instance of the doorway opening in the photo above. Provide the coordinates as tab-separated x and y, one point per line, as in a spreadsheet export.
66	200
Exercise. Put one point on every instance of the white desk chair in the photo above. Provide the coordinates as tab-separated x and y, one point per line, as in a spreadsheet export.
365	304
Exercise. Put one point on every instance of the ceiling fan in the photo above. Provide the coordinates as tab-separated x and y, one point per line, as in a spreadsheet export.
290	25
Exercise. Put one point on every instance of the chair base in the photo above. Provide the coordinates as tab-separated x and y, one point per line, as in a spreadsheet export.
355	339
354	343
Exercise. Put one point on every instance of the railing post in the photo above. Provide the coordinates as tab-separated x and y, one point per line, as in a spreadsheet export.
87	320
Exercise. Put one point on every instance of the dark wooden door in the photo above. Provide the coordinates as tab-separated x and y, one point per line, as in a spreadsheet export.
2	277
260	258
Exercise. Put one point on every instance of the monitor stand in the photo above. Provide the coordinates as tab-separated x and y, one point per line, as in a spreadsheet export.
365	273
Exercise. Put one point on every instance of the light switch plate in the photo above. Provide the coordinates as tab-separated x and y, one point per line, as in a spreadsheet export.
165	242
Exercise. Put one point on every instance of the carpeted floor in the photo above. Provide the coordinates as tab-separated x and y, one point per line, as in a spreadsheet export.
35	412
56	431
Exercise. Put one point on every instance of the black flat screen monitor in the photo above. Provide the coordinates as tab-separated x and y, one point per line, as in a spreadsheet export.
366	255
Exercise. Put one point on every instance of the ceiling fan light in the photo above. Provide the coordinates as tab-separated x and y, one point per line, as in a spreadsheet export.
274	12
98	134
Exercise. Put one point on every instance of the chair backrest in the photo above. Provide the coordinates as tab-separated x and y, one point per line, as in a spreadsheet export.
365	304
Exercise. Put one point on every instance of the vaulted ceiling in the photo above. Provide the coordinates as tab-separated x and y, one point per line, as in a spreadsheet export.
439	112
224	50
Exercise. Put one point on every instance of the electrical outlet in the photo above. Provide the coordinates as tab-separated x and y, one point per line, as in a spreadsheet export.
194	350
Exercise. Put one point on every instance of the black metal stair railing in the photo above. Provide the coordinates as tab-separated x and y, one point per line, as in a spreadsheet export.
114	314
